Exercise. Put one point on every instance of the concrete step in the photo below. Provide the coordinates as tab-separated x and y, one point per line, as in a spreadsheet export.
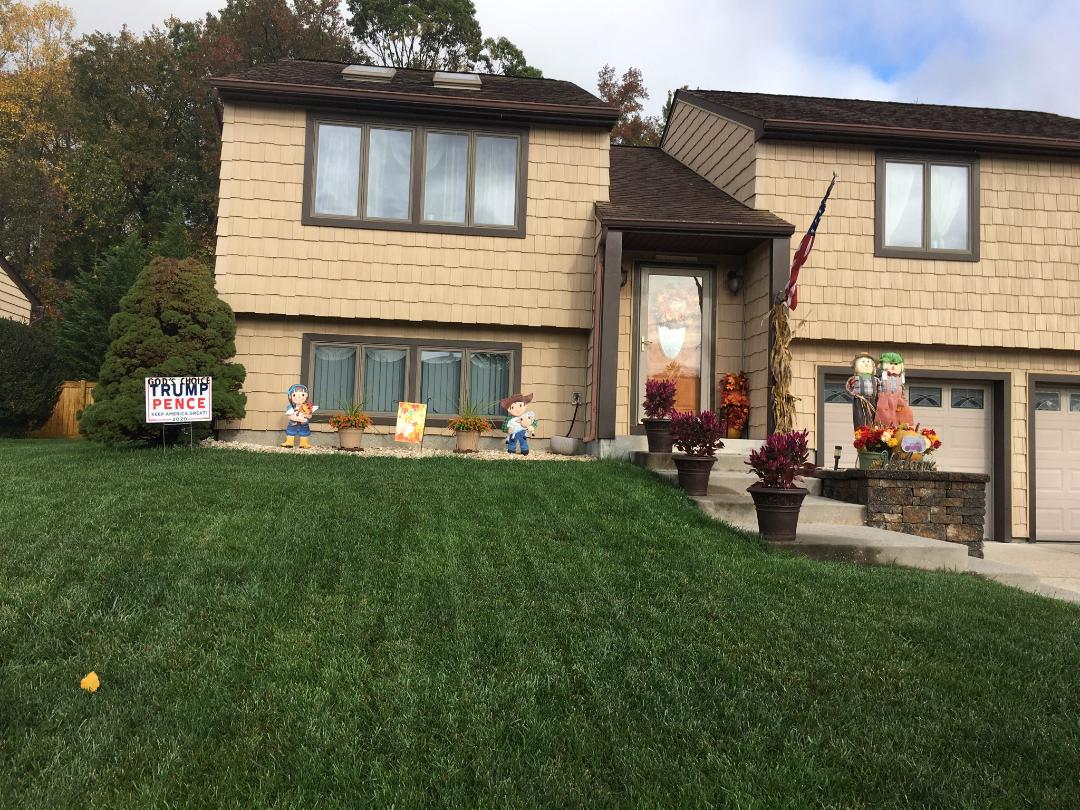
738	509
725	462
1022	578
735	483
865	545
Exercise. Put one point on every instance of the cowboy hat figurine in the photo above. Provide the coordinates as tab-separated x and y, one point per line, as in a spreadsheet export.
521	423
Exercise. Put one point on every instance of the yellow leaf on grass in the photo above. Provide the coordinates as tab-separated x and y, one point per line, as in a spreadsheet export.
91	682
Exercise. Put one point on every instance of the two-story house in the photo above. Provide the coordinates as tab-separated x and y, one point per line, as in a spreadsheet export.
390	235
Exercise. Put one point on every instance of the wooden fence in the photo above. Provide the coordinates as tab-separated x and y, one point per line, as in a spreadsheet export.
64	422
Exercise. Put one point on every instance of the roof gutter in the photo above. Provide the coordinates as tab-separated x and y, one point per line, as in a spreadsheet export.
524	111
783	129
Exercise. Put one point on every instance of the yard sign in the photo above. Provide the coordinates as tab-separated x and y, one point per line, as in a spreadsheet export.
179	399
411	417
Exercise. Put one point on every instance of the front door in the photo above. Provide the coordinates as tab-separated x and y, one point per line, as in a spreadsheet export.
674	334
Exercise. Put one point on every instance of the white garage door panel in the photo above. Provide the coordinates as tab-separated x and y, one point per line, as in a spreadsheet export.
966	444
1057	473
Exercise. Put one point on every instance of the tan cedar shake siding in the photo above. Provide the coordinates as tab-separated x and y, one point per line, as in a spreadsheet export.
720	150
285	279
13	302
1015	310
756	336
269	263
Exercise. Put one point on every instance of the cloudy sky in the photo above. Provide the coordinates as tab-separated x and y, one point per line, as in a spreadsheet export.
1023	54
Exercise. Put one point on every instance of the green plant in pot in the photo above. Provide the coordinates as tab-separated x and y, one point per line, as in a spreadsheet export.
350	425
778	463
467	427
658	405
698	436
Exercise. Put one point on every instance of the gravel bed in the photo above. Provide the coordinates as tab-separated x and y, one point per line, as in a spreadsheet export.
393	452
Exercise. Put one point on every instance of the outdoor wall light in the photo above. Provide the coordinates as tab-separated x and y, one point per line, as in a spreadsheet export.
836	453
734	282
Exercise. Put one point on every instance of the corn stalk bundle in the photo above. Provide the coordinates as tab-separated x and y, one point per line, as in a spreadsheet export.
783	403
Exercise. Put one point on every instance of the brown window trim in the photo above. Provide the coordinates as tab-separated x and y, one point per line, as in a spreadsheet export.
927	160
413	346
415	223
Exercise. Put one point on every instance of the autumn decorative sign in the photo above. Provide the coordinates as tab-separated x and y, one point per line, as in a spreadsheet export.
411	418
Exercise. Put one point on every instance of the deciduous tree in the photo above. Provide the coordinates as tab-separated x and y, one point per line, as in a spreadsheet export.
628	93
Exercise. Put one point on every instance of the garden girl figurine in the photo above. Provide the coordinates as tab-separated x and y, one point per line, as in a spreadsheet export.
521	423
862	385
299	415
893	409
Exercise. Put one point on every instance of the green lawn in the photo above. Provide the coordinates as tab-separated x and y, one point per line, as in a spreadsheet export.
341	631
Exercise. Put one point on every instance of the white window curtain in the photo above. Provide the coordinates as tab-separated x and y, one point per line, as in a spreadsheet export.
384	379
446	168
489	381
440	381
903	204
949	207
495	183
337	181
335	377
389	175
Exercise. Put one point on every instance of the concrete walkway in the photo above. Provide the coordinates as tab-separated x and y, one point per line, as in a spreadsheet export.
1057	565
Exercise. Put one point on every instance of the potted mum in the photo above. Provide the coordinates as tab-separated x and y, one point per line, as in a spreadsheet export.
658	404
778	463
350	425
467	427
734	408
699	437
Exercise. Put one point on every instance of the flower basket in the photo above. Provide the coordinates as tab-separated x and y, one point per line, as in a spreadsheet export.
350	426
467	428
734	403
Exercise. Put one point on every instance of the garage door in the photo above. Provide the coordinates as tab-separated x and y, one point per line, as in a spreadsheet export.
1057	463
960	411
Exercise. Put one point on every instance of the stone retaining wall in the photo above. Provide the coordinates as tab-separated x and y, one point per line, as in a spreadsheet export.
948	506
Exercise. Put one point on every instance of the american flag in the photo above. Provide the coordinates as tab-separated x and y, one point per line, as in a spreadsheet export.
791	291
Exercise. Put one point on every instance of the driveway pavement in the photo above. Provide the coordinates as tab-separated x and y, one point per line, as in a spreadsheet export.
1056	564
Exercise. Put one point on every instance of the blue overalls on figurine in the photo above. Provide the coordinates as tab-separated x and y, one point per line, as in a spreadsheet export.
299	415
520	424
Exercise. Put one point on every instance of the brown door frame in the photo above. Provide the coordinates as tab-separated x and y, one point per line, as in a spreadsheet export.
1034	380
710	271
1000	422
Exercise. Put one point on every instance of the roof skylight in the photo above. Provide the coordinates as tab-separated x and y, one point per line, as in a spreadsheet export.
368	73
463	81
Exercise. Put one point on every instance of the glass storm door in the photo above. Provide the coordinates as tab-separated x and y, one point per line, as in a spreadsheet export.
675	334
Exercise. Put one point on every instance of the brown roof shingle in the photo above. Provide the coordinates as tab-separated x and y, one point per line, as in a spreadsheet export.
531	99
650	187
783	114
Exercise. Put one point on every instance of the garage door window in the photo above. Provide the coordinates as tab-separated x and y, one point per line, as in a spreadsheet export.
1074	403
971	398
1047	401
925	396
835	392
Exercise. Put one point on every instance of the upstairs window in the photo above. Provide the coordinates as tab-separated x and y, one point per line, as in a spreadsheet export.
927	208
410	177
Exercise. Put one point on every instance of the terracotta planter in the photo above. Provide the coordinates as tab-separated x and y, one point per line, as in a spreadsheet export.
777	511
734	433
694	473
350	438
467	441
658	432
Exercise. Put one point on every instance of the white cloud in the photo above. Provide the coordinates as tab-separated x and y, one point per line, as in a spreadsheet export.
984	52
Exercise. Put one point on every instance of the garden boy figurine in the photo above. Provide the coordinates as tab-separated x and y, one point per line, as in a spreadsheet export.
862	385
520	424
299	415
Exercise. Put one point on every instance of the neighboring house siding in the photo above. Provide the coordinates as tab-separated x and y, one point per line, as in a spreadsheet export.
552	365
1015	310
721	151
269	263
13	303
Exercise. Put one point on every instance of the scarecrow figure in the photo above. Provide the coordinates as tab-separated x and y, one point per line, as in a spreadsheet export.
299	415
893	409
521	423
863	386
